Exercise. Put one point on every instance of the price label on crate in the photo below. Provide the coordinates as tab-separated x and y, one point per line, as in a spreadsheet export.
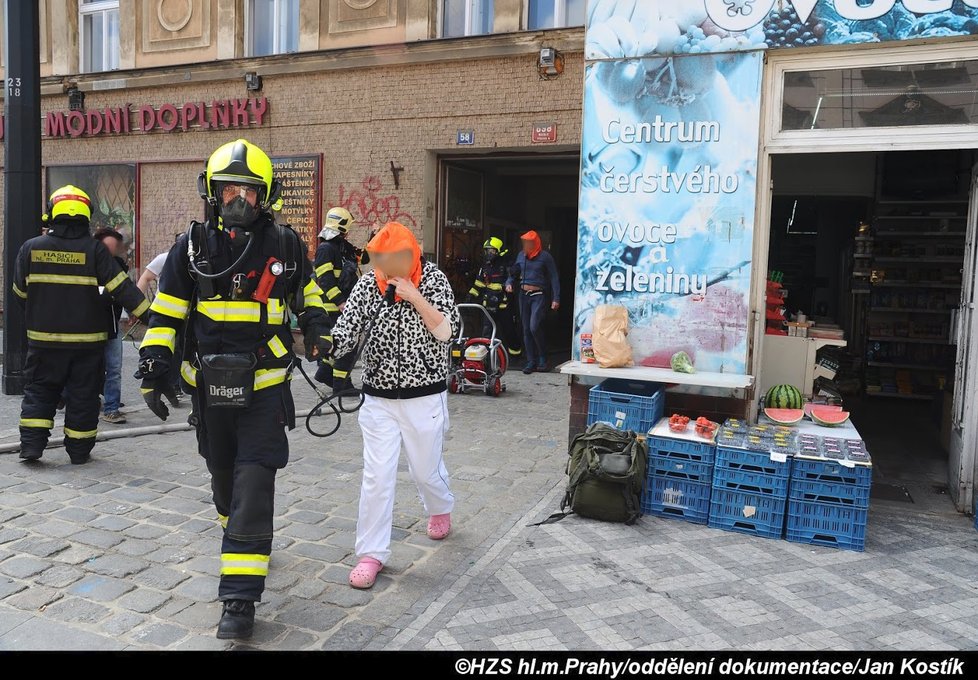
779	457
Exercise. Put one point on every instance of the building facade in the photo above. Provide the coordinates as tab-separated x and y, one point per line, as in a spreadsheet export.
360	103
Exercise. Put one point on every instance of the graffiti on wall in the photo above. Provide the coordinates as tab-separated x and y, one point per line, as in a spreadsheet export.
367	202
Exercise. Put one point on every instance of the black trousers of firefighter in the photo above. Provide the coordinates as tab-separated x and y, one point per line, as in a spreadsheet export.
505	331
79	374
244	448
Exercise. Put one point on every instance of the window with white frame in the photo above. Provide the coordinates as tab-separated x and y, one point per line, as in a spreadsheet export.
273	27
99	21
554	14
466	17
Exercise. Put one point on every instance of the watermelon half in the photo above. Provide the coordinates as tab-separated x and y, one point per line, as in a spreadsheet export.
829	416
827	407
785	416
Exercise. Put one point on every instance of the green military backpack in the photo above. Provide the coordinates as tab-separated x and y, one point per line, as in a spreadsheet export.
606	474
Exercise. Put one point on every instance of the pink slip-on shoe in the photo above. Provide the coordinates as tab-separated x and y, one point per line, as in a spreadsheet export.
439	526
364	575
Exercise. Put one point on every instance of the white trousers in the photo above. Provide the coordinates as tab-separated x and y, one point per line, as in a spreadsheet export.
420	425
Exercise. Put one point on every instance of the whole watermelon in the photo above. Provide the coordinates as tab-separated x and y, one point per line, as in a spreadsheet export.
784	396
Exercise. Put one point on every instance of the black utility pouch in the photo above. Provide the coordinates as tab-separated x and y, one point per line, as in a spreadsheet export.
229	379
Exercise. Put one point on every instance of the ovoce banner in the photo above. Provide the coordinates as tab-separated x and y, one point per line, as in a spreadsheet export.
668	181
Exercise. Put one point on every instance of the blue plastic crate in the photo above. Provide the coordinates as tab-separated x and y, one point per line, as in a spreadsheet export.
747	513
678	498
682	449
851	495
824	524
831	471
626	404
750	482
680	468
751	461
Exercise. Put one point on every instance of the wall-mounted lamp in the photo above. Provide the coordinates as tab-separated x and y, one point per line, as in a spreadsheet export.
253	81
551	63
76	99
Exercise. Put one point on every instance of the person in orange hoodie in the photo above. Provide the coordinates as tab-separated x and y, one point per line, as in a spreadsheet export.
405	367
539	286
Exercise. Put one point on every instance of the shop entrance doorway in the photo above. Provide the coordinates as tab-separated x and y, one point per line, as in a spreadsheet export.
506	195
872	256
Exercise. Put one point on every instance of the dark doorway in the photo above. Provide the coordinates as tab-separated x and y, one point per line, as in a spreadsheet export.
505	196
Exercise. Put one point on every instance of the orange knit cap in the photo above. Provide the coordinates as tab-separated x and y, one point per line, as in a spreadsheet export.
392	238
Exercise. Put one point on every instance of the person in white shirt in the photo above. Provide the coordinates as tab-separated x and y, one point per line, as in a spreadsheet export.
151	273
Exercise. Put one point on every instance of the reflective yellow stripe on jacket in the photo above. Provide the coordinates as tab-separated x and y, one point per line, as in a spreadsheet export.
230	311
18	292
268	377
67	279
242	311
242	564
313	297
141	308
277	347
115	282
188	373
276	311
323	268
161	336
67	337
170	305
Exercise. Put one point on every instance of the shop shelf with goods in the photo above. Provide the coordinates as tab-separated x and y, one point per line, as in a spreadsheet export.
918	252
774	313
750	479
859	288
680	473
626	404
829	492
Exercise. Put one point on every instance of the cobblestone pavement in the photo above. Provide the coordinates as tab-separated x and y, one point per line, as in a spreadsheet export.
667	584
123	552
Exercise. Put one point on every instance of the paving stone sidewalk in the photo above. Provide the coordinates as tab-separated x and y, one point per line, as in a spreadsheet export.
665	584
123	553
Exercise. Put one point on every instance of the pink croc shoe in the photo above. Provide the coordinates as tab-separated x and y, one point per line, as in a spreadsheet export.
439	526
364	575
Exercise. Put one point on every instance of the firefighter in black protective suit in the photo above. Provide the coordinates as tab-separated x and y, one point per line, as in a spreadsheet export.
57	278
337	267
488	290
231	282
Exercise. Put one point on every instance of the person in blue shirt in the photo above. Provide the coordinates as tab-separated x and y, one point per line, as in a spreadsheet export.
539	284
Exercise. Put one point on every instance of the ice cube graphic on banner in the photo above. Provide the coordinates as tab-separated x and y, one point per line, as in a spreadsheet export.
668	184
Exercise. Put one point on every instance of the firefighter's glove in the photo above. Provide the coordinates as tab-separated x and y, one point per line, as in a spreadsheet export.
318	342
152	367
153	393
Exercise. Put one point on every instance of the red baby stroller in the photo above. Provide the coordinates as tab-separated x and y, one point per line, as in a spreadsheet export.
477	362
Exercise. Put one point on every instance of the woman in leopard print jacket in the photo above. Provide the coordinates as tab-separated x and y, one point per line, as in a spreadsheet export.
405	366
